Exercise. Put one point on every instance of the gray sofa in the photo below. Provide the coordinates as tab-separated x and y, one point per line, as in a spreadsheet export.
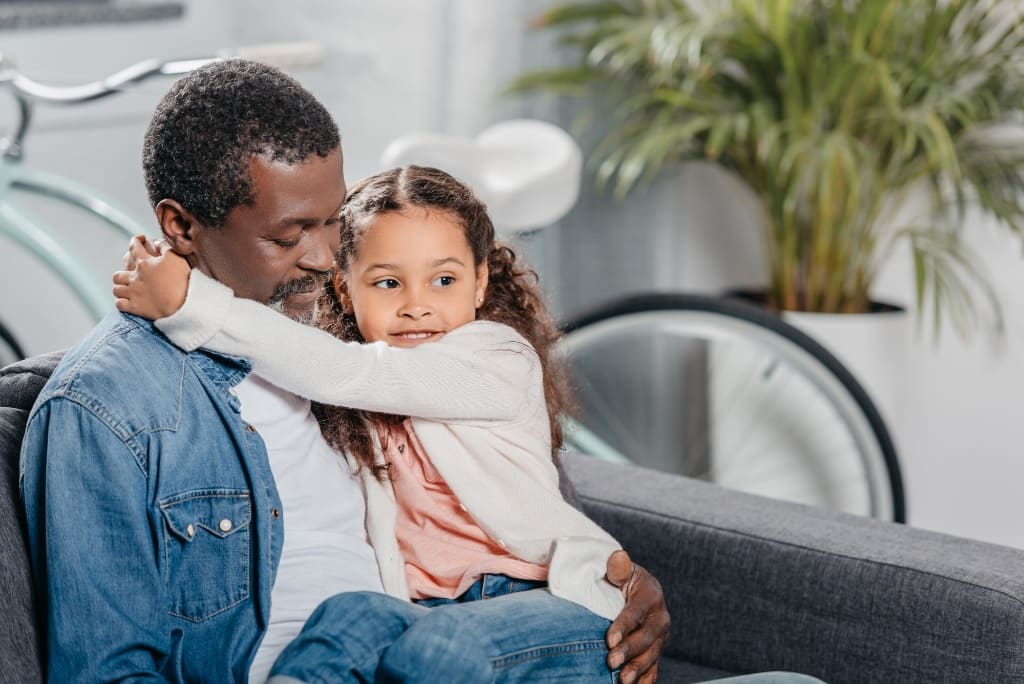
752	584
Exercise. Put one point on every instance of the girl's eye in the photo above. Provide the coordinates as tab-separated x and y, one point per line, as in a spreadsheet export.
286	243
386	283
444	281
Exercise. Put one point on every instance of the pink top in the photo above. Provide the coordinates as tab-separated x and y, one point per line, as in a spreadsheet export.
445	551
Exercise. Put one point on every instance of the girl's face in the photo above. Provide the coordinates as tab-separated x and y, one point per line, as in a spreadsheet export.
413	278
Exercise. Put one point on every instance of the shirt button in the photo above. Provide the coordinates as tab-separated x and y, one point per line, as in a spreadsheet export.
274	512
225	525
232	391
190	530
502	544
250	427
462	507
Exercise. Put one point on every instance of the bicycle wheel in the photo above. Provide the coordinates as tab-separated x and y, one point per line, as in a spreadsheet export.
724	391
10	350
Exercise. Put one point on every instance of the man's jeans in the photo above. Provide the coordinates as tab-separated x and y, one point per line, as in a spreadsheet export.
520	633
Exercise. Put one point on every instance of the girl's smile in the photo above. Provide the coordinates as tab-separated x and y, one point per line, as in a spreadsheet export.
413	277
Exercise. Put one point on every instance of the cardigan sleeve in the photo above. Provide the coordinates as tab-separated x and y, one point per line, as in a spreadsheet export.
508	483
481	371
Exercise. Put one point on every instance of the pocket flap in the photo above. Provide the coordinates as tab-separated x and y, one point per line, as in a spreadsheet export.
220	513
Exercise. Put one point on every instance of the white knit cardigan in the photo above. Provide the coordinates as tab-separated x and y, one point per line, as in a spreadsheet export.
476	399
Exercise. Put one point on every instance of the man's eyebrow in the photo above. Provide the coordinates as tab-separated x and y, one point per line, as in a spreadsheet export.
289	221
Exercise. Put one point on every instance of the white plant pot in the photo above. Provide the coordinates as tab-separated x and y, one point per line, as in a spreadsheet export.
875	348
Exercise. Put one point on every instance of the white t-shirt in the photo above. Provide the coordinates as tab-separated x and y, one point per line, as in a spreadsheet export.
325	545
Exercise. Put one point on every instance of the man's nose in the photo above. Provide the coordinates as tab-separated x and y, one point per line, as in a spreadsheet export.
319	255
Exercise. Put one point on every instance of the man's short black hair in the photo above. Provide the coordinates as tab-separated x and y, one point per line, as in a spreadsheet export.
212	122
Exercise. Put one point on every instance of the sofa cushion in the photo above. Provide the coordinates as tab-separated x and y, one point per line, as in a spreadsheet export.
20	383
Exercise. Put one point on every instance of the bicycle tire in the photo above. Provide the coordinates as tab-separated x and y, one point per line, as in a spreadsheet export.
10	350
745	321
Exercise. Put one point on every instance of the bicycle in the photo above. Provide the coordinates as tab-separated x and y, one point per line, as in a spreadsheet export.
20	226
722	390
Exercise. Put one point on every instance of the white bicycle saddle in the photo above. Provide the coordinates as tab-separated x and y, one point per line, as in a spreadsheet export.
526	171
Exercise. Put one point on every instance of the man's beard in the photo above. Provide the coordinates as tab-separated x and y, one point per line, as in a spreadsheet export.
308	284
306	316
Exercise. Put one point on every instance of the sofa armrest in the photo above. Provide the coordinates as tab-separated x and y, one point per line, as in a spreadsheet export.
756	584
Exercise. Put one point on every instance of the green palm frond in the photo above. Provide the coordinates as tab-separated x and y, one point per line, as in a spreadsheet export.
826	108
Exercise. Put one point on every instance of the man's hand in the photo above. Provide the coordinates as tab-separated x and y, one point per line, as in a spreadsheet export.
638	634
154	282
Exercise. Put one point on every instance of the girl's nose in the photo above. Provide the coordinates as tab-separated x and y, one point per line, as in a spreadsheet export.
415	305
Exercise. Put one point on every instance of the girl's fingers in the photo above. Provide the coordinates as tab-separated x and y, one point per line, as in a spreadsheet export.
122	277
139	249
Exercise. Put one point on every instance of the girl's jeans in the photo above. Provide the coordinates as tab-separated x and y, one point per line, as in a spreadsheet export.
519	633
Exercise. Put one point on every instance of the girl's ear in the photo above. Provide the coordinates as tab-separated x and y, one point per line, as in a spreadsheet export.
482	273
177	225
341	289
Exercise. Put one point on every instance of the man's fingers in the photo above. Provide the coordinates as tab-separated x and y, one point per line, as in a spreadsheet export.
122	277
650	676
619	568
626	622
637	636
635	652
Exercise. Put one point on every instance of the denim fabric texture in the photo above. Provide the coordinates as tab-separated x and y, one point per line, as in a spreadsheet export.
487	587
500	630
154	524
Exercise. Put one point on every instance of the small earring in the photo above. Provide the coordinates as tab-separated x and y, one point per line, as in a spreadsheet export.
480	301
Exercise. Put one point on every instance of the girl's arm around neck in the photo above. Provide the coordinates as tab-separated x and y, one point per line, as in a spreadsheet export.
482	371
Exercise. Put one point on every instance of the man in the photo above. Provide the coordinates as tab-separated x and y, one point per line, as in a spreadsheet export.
185	517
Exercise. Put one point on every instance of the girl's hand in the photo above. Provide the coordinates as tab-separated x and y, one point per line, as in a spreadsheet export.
154	282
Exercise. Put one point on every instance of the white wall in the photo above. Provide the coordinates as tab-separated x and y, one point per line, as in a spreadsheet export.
98	143
396	67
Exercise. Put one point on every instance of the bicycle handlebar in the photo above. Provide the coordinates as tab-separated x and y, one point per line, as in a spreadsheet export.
28	91
285	55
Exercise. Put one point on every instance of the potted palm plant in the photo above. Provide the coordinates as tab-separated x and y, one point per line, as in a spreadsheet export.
834	112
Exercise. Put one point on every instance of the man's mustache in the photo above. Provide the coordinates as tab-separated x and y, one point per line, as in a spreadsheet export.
313	281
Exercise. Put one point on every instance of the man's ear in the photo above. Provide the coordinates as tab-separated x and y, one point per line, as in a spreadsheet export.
177	225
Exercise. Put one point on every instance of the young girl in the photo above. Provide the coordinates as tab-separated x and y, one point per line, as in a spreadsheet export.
444	361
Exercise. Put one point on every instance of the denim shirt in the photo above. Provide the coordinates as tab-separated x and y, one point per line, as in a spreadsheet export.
155	527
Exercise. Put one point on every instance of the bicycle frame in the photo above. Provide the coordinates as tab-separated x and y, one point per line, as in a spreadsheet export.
32	234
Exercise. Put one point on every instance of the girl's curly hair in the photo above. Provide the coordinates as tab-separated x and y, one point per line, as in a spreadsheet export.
513	295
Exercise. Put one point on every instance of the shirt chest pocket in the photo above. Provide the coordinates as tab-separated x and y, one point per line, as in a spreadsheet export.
206	545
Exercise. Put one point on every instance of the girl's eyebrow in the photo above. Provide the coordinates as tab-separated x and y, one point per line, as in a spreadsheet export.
433	264
448	260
